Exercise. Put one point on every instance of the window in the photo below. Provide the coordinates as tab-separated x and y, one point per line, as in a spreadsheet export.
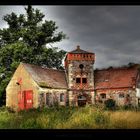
78	80
121	95
81	98
47	99
84	80
81	66
62	97
103	95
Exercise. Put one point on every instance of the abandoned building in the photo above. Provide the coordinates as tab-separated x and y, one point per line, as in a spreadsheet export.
79	84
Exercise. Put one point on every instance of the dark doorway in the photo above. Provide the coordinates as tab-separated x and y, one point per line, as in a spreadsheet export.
82	100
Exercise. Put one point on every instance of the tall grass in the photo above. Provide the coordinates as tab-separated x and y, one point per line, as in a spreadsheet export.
89	117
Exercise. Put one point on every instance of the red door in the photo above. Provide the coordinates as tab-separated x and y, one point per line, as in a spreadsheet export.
28	99
25	99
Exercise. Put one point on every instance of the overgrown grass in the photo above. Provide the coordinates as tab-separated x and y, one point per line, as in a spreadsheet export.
89	117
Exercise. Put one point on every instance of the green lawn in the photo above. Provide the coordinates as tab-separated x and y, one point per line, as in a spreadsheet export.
88	117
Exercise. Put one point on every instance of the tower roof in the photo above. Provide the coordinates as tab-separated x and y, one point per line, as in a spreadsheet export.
78	50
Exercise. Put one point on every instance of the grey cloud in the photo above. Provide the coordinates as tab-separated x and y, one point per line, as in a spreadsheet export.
111	32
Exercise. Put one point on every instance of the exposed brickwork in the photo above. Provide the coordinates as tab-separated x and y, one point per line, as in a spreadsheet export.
78	84
74	71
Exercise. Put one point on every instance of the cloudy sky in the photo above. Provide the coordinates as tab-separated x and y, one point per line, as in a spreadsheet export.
111	32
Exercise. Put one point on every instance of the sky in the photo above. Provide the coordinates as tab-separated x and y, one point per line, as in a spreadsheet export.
111	32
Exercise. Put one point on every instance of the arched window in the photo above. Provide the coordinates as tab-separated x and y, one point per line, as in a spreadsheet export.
121	95
62	97
103	95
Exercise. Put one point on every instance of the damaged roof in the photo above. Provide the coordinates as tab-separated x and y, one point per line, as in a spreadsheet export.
46	77
116	77
123	77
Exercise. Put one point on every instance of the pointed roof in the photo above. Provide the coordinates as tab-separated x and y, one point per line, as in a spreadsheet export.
116	77
78	50
46	77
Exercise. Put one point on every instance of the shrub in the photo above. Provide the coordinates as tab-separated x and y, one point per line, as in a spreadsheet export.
99	117
110	104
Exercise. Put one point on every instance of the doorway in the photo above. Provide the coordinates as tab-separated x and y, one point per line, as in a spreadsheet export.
82	100
25	100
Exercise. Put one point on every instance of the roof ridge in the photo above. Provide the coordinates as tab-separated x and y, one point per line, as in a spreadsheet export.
42	67
79	50
117	68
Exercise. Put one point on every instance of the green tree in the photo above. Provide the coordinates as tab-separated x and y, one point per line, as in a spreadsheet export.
25	40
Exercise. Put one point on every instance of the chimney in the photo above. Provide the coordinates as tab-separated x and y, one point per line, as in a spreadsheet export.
78	47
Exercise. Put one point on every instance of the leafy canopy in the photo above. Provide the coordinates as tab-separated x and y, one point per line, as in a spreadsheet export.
25	40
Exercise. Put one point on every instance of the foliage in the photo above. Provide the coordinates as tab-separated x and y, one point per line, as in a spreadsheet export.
26	40
88	117
110	104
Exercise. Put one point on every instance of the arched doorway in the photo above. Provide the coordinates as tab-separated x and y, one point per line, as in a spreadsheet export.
82	100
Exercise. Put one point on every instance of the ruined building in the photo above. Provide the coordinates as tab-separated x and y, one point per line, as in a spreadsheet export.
79	84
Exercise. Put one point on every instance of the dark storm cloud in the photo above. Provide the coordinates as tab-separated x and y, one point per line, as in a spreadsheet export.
111	32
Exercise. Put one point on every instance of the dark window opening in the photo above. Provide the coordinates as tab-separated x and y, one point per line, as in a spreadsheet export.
78	80
121	95
103	96
84	80
81	66
62	97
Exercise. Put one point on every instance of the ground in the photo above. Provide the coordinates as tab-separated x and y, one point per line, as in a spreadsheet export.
89	117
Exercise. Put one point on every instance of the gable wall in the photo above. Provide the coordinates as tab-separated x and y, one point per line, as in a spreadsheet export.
13	89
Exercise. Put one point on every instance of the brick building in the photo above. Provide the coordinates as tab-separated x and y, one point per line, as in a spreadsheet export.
79	84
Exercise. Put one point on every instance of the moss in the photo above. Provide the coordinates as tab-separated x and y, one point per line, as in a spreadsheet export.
44	84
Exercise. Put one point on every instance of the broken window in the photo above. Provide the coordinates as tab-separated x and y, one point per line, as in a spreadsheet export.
41	99
103	95
78	80
121	95
84	80
47	99
62	97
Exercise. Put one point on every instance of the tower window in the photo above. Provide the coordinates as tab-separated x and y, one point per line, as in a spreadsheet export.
81	66
78	80
84	80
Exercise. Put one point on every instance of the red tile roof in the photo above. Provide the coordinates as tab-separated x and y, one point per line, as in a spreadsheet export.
46	77
104	79
116	77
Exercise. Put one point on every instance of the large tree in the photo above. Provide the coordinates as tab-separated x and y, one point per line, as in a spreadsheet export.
25	40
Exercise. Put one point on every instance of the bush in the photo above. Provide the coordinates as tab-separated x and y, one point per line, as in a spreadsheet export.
110	104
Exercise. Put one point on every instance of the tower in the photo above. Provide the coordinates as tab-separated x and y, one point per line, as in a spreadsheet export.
80	76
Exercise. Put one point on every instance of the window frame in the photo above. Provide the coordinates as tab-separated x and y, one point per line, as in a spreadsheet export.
78	82
62	97
103	96
121	95
83	80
